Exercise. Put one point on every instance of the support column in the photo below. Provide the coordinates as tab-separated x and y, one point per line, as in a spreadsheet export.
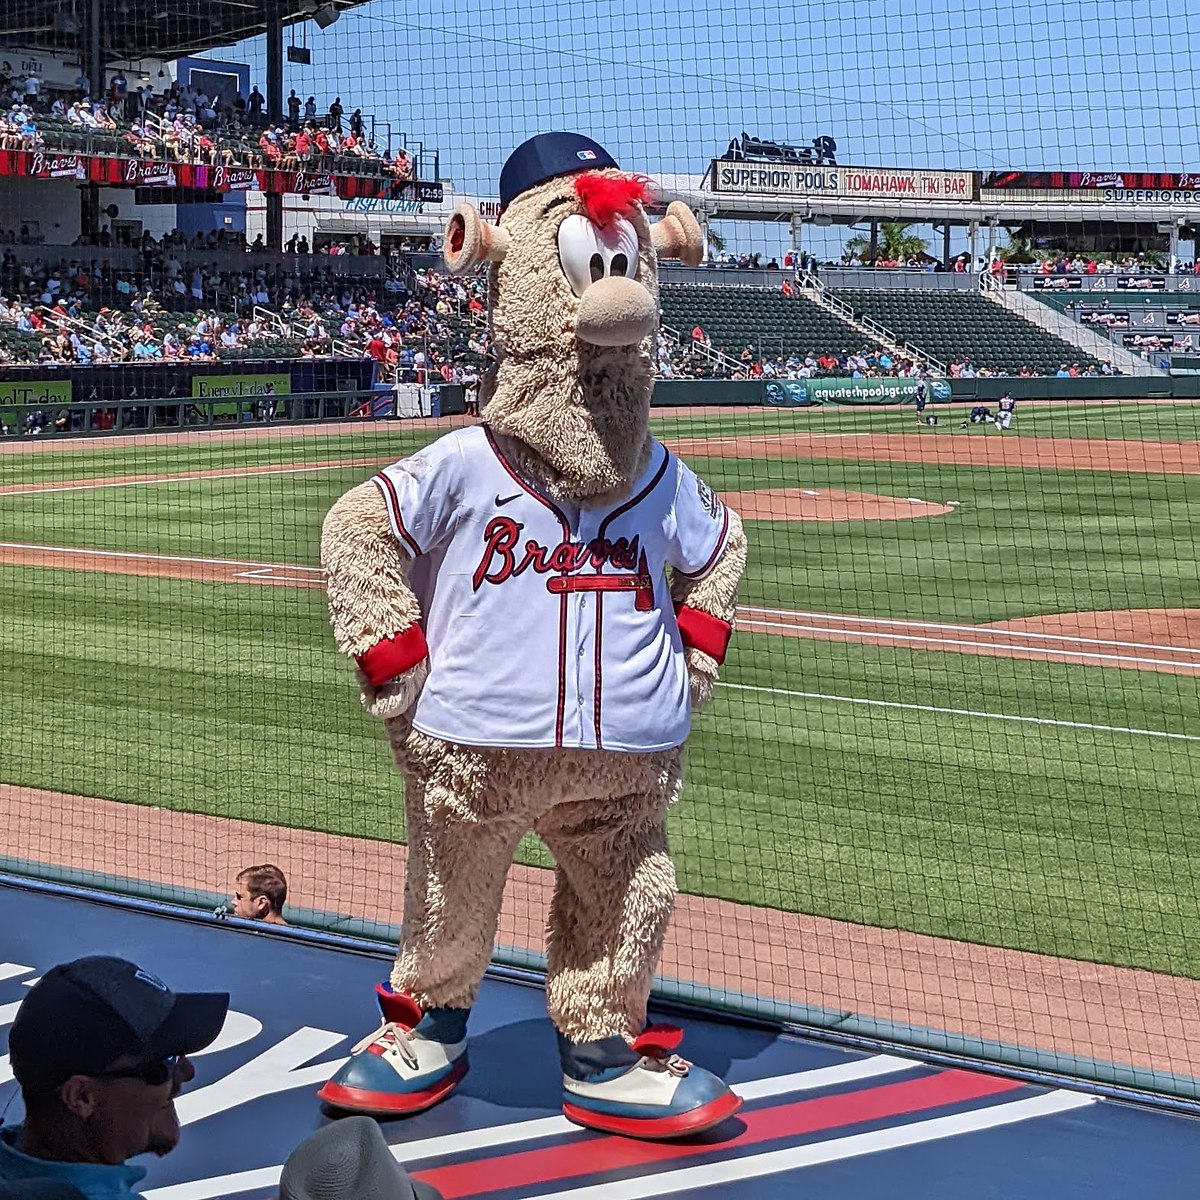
274	68
89	212
946	245
974	231
92	57
274	215
873	247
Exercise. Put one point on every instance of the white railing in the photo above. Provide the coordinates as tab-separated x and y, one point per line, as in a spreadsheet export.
880	332
82	330
715	356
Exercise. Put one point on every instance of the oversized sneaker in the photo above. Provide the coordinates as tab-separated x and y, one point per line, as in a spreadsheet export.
658	1095
397	1070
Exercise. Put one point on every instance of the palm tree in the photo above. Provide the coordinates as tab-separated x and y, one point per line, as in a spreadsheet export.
1020	248
894	242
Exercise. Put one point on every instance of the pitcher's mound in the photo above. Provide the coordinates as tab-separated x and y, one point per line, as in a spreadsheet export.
826	504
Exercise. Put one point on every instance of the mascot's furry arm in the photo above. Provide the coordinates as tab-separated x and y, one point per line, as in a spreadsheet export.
706	609
375	613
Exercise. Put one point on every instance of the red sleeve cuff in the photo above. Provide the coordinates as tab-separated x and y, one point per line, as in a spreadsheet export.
703	631
393	656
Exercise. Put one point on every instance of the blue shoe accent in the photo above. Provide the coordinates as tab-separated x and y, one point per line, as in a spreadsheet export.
610	1057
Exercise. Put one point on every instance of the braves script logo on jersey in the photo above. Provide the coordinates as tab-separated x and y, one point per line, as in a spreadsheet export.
502	561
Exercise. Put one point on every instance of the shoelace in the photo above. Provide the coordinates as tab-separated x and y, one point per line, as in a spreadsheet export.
673	1064
395	1037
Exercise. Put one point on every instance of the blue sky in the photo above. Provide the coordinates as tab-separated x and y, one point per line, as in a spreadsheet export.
978	84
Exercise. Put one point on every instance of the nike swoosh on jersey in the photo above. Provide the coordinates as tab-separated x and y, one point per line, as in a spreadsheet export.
501	501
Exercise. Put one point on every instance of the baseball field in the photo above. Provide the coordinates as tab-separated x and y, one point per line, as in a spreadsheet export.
962	700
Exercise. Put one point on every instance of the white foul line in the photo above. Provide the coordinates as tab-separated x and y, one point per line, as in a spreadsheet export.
666	1183
907	639
961	712
978	630
543	1127
213	476
144	557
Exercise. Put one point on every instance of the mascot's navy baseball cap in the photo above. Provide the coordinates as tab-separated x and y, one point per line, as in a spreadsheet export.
547	156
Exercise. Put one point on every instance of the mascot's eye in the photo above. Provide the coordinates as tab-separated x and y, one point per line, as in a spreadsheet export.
588	253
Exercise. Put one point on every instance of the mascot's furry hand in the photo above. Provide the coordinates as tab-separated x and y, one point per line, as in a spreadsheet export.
397	696
702	672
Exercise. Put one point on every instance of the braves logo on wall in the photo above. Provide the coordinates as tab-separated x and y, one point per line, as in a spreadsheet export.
312	185
234	179
56	166
149	174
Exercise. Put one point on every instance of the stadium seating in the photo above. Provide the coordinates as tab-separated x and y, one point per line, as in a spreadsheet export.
951	325
770	323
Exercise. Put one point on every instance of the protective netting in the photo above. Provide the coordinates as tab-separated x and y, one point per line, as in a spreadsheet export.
938	358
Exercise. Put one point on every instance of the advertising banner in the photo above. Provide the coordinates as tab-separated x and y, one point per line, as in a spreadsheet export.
36	391
1106	318
770	179
143	173
1157	341
235	387
1055	283
872	391
1106	187
1109	283
45	165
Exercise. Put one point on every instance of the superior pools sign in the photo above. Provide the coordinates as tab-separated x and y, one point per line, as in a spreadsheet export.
769	179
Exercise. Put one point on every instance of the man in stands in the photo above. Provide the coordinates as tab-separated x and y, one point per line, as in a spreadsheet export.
99	1049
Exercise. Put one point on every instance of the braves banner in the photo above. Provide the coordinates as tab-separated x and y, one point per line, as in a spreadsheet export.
143	173
46	165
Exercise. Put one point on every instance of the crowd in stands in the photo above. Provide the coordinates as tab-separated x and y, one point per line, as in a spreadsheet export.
422	328
697	358
185	125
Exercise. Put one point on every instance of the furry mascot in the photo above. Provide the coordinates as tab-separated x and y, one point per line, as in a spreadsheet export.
534	604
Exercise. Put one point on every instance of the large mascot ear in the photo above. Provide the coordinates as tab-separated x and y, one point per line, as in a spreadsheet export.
470	240
678	235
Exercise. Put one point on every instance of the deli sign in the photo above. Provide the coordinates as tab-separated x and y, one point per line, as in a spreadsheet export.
866	183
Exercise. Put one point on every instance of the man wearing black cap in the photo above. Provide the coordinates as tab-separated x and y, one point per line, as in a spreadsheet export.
99	1048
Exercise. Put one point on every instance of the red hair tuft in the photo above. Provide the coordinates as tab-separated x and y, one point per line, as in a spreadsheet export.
607	196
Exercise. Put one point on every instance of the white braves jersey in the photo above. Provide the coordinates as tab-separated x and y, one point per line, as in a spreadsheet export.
549	624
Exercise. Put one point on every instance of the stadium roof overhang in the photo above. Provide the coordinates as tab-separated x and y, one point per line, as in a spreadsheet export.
136	29
836	210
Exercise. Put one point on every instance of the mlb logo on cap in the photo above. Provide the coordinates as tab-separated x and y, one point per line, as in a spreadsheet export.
547	156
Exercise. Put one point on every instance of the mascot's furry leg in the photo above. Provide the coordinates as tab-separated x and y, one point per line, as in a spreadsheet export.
462	833
614	891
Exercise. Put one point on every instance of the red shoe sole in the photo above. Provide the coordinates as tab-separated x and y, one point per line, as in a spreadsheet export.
390	1104
657	1129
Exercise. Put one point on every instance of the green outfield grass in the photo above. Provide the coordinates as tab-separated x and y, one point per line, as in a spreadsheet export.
1061	838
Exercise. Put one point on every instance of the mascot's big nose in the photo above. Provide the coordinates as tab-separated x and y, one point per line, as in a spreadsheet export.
616	311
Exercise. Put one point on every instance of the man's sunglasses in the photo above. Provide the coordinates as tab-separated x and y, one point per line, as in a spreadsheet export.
155	1074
